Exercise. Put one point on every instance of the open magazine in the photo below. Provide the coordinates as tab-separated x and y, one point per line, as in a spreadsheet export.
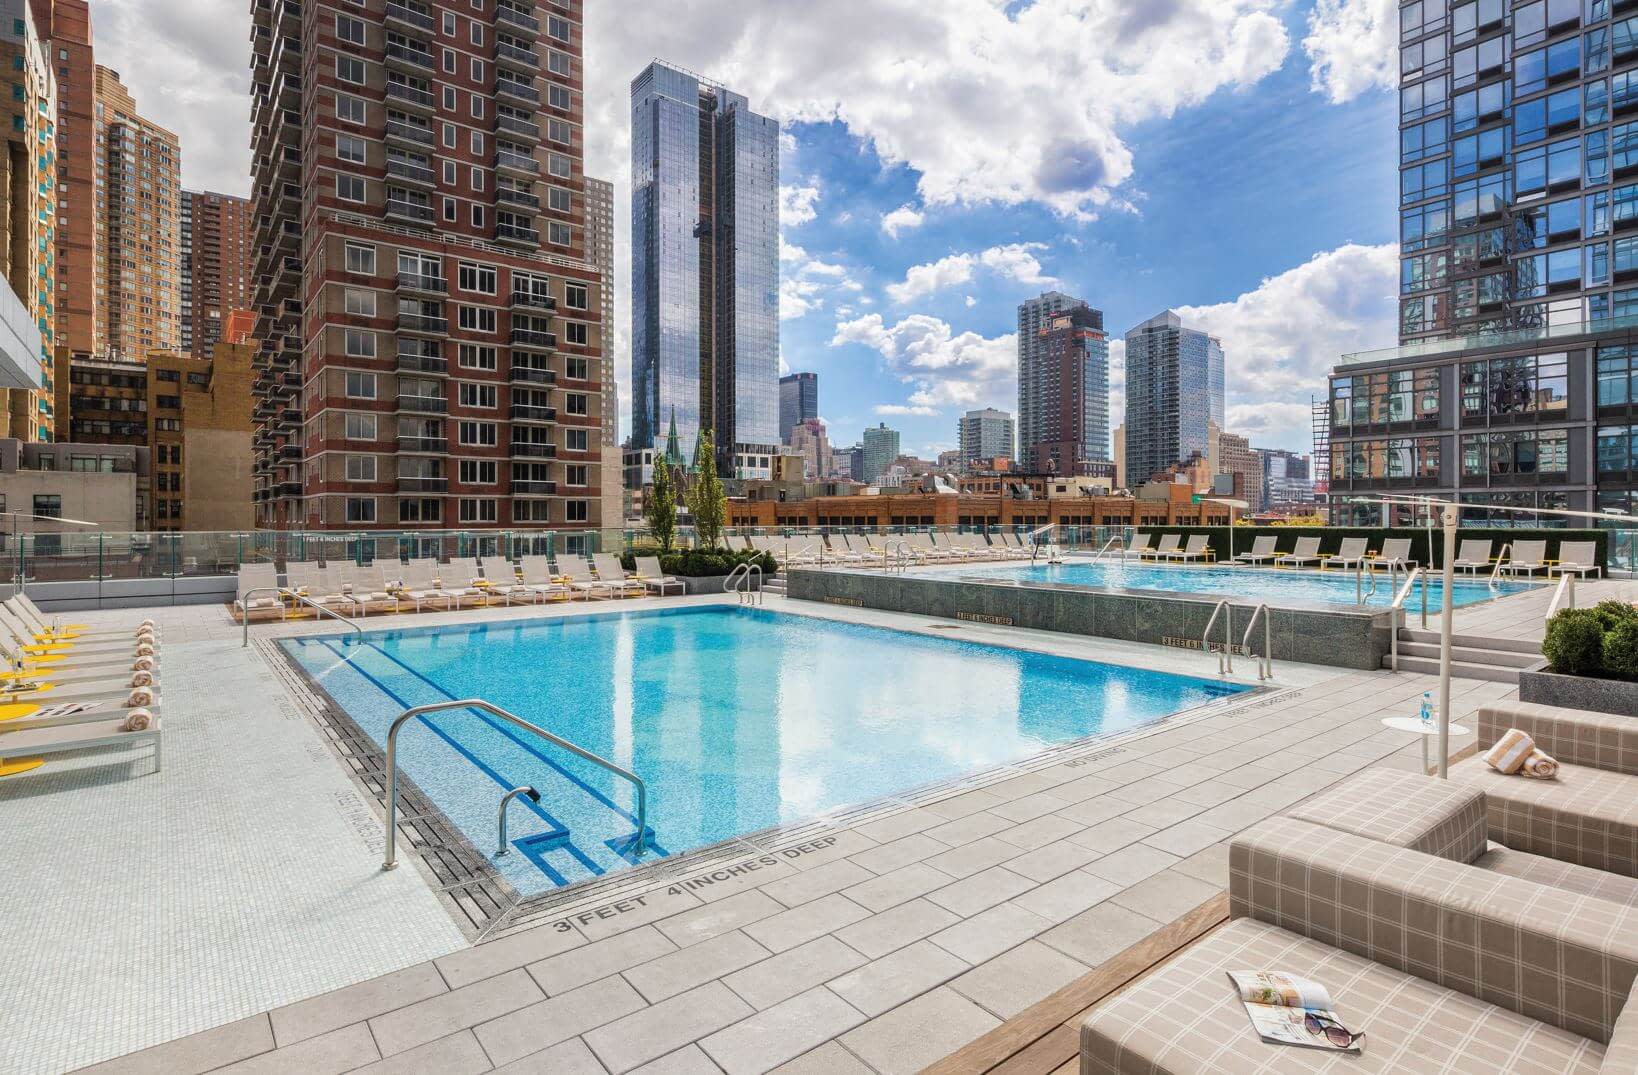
1287	1010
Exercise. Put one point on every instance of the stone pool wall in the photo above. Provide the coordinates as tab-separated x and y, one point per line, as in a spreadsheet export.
1338	637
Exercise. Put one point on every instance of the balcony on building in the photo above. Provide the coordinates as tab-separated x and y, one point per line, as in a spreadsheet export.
290	379
411	17
515	55
421	283
532	299
425	358
525	372
415	483
287	488
514	90
517	17
433	445
510	192
413	169
530	487
530	412
411	93
511	231
515	160
408	56
422	402
532	449
531	332
290	452
516	124
405	206
423	318
409	133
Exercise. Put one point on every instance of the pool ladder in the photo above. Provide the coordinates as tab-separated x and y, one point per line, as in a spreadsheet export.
739	582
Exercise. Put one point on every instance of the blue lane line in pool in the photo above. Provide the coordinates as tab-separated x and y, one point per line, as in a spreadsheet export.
510	734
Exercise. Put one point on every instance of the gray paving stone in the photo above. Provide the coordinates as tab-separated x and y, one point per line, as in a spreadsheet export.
896	927
328	1054
966	803
829	1059
1094	810
1210	793
205	1051
665	1027
626	914
680	971
1210	865
721	916
1167	896
967	829
783	976
781	1033
1187	837
1083	788
893	979
806	887
426	1020
1110	835
496	957
802	924
1054	860
901	852
1039	833
688	1060
1094	936
1014	980
803	854
1131	864
729	878
1163	812
559	974
356	1003
981	891
895	826
1030	806
900	886
990	933
1066	896
565	1058
458	1054
538	1026
919	1033
974	858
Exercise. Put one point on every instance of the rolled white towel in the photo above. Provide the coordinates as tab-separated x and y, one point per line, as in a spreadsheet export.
142	679
147	628
147	640
137	720
143	664
148	622
1510	752
145	649
140	697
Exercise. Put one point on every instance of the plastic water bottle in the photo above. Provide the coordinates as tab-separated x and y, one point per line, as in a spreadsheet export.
1427	707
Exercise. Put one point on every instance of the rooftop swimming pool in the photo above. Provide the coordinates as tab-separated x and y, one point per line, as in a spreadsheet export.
737	719
1276	586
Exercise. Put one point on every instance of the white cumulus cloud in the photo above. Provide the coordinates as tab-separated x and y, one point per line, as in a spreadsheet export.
796	204
902	219
941	367
1352	47
1015	261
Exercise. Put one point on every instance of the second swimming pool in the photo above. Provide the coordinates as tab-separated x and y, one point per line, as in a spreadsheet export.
737	719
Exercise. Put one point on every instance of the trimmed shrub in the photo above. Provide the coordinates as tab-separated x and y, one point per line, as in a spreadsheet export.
713	563
1612	614
1621	650
1574	645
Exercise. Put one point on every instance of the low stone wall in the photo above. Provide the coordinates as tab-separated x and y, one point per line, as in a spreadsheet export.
1340	638
1579	692
131	593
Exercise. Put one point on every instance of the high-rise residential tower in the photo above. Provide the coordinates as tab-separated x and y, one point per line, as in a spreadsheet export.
881	447
139	227
216	266
1067	366
1033	398
65	25
600	252
431	326
705	269
28	209
798	402
984	436
1174	395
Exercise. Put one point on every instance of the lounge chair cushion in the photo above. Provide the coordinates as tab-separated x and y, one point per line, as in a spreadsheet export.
1555	874
1436	817
1574	736
1621	1054
1184	1018
1586	816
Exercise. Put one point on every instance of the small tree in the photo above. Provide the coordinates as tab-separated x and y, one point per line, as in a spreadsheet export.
660	507
707	502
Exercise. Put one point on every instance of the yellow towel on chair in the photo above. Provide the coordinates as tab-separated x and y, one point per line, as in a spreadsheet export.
1539	766
1510	752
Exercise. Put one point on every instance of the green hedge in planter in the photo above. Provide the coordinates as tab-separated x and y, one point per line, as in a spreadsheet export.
1331	538
707	563
1599	642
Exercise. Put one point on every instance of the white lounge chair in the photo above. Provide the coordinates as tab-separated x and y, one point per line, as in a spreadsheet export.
1393	556
1262	551
26	610
539	580
612	571
258	577
94	735
1168	545
1198	548
1528	557
1351	553
1579	557
581	580
21	639
1306	552
1016	549
364	585
1137	546
654	578
419	584
461	578
1474	556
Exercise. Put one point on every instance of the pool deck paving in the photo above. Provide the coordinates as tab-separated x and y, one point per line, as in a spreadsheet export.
221	898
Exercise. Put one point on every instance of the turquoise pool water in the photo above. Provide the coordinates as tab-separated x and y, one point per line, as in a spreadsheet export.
1252	584
737	719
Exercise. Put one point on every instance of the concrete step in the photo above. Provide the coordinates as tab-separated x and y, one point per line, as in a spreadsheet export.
1510	645
1471	655
1460	670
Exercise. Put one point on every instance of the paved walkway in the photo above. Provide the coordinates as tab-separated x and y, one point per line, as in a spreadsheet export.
879	946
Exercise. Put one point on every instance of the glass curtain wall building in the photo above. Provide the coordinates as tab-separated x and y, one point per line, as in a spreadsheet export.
705	269
1174	395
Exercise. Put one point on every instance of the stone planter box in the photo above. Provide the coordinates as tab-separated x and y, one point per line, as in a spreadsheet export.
1579	692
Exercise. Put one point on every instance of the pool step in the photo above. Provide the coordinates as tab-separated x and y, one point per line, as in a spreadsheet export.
775	585
1470	655
1497	660
1511	645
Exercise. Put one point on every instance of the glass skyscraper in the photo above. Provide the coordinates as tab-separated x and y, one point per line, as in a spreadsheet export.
705	269
798	401
1174	395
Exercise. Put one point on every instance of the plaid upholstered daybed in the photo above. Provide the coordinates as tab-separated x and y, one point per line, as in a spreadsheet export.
1452	953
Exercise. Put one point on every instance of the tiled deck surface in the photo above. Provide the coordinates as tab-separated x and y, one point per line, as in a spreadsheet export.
881	946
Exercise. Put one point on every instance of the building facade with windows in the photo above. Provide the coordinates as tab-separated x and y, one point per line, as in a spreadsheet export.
1036	396
705	270
880	448
28	209
1068	365
216	266
65	27
984	436
1174	395
798	402
429	310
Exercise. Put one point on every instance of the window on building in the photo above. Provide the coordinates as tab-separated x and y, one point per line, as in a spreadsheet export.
477	278
360	509
358	343
350	69
476	510
478	434
477	319
473	356
360	259
479	472
359	303
576	440
361	385
480	396
359	427
361	468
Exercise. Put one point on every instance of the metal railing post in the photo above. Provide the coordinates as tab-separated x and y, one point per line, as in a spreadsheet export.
500	820
1225	659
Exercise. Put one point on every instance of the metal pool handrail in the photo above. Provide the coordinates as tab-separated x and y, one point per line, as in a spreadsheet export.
1225	659
391	860
1034	540
739	582
1114	542
1495	572
500	818
298	598
1399	603
1265	666
1564	592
